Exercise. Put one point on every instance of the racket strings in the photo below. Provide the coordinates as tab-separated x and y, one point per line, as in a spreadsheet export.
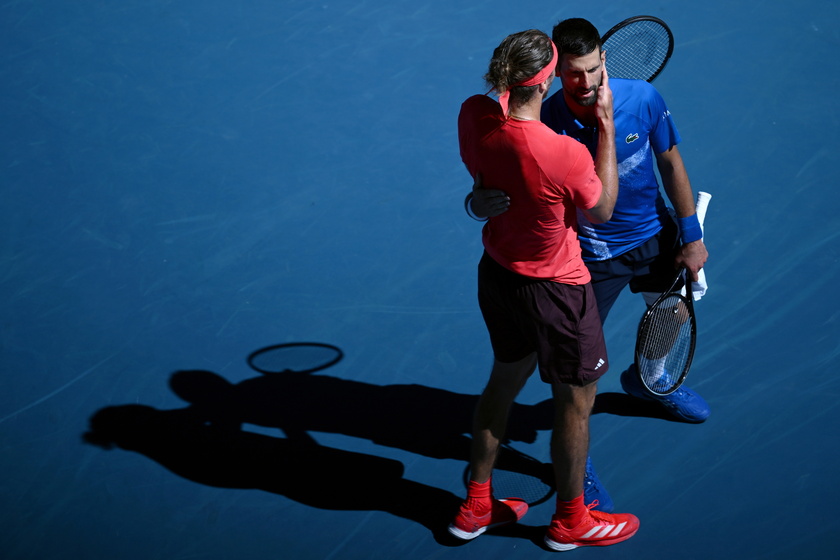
637	51
665	344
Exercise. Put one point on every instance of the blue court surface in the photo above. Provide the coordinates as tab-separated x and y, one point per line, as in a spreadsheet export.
186	184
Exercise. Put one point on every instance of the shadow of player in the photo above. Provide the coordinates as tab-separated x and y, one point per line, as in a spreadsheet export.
308	473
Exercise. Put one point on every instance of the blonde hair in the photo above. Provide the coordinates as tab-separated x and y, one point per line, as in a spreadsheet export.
520	56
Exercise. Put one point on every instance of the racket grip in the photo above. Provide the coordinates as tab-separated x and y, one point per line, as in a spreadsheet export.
700	208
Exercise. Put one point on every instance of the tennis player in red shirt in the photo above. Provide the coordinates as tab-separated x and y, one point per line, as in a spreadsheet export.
533	288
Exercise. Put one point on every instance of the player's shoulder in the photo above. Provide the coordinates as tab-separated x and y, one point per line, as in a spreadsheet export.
479	111
630	90
636	99
480	102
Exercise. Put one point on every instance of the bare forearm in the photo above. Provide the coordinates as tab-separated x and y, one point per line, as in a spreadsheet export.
607	167
605	161
607	170
692	254
675	182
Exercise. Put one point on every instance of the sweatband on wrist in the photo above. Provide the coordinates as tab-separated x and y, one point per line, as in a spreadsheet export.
468	208
690	229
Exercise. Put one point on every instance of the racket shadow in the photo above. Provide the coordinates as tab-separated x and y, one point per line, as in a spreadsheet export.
534	483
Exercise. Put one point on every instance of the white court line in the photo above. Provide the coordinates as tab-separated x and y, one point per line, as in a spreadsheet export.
60	389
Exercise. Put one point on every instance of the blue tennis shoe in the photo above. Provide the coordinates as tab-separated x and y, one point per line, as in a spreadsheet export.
683	403
594	491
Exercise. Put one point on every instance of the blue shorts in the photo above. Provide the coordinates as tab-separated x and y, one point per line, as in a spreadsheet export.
647	268
559	322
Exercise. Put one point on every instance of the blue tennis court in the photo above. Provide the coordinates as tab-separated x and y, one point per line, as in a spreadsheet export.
189	184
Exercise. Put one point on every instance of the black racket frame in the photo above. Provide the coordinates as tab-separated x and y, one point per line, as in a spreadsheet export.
636	19
680	279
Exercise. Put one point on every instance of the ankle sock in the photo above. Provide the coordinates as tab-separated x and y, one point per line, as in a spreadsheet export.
480	496
571	513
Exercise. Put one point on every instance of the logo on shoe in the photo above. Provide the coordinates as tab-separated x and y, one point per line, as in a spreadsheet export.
602	532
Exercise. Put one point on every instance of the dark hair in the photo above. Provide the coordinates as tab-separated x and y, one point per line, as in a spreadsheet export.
519	57
576	36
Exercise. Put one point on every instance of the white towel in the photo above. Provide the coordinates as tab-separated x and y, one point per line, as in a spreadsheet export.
699	288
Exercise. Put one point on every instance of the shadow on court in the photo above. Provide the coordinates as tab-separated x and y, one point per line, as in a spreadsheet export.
622	404
204	442
314	475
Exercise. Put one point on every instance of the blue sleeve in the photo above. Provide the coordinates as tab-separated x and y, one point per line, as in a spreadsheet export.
663	133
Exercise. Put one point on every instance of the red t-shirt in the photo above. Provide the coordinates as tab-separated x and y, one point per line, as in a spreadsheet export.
547	176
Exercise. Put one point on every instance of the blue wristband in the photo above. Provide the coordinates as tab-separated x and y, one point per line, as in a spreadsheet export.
690	229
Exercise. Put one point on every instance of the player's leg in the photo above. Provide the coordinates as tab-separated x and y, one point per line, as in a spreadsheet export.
574	522
614	277
570	437
504	306
492	411
609	278
514	362
576	367
481	510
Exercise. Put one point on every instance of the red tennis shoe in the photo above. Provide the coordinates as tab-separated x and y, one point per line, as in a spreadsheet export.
596	529
468	525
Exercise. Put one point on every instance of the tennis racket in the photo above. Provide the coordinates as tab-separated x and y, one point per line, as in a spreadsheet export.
638	48
667	332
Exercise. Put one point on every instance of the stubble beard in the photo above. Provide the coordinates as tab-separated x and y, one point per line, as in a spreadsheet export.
587	101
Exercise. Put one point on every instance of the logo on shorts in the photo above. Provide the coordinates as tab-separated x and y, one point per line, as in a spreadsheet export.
600	363
632	137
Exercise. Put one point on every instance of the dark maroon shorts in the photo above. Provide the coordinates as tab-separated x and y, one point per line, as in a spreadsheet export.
559	322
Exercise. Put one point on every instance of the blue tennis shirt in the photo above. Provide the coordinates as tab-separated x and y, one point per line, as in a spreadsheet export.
643	127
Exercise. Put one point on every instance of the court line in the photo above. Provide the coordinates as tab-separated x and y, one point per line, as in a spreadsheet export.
60	389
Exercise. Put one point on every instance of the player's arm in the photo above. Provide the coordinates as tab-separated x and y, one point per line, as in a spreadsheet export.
693	254
605	158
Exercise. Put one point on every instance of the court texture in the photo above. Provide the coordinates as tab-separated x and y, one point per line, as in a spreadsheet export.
238	313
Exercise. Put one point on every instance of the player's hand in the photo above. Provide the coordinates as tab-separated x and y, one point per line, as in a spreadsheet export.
604	103
487	203
692	256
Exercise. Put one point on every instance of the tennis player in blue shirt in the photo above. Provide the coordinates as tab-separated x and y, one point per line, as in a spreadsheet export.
642	245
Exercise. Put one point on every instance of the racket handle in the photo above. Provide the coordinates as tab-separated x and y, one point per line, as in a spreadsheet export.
702	203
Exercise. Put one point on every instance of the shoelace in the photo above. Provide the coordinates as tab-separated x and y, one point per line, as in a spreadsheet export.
679	393
589	476
668	399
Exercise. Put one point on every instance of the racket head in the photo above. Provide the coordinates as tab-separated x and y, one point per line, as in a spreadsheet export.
638	48
666	339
